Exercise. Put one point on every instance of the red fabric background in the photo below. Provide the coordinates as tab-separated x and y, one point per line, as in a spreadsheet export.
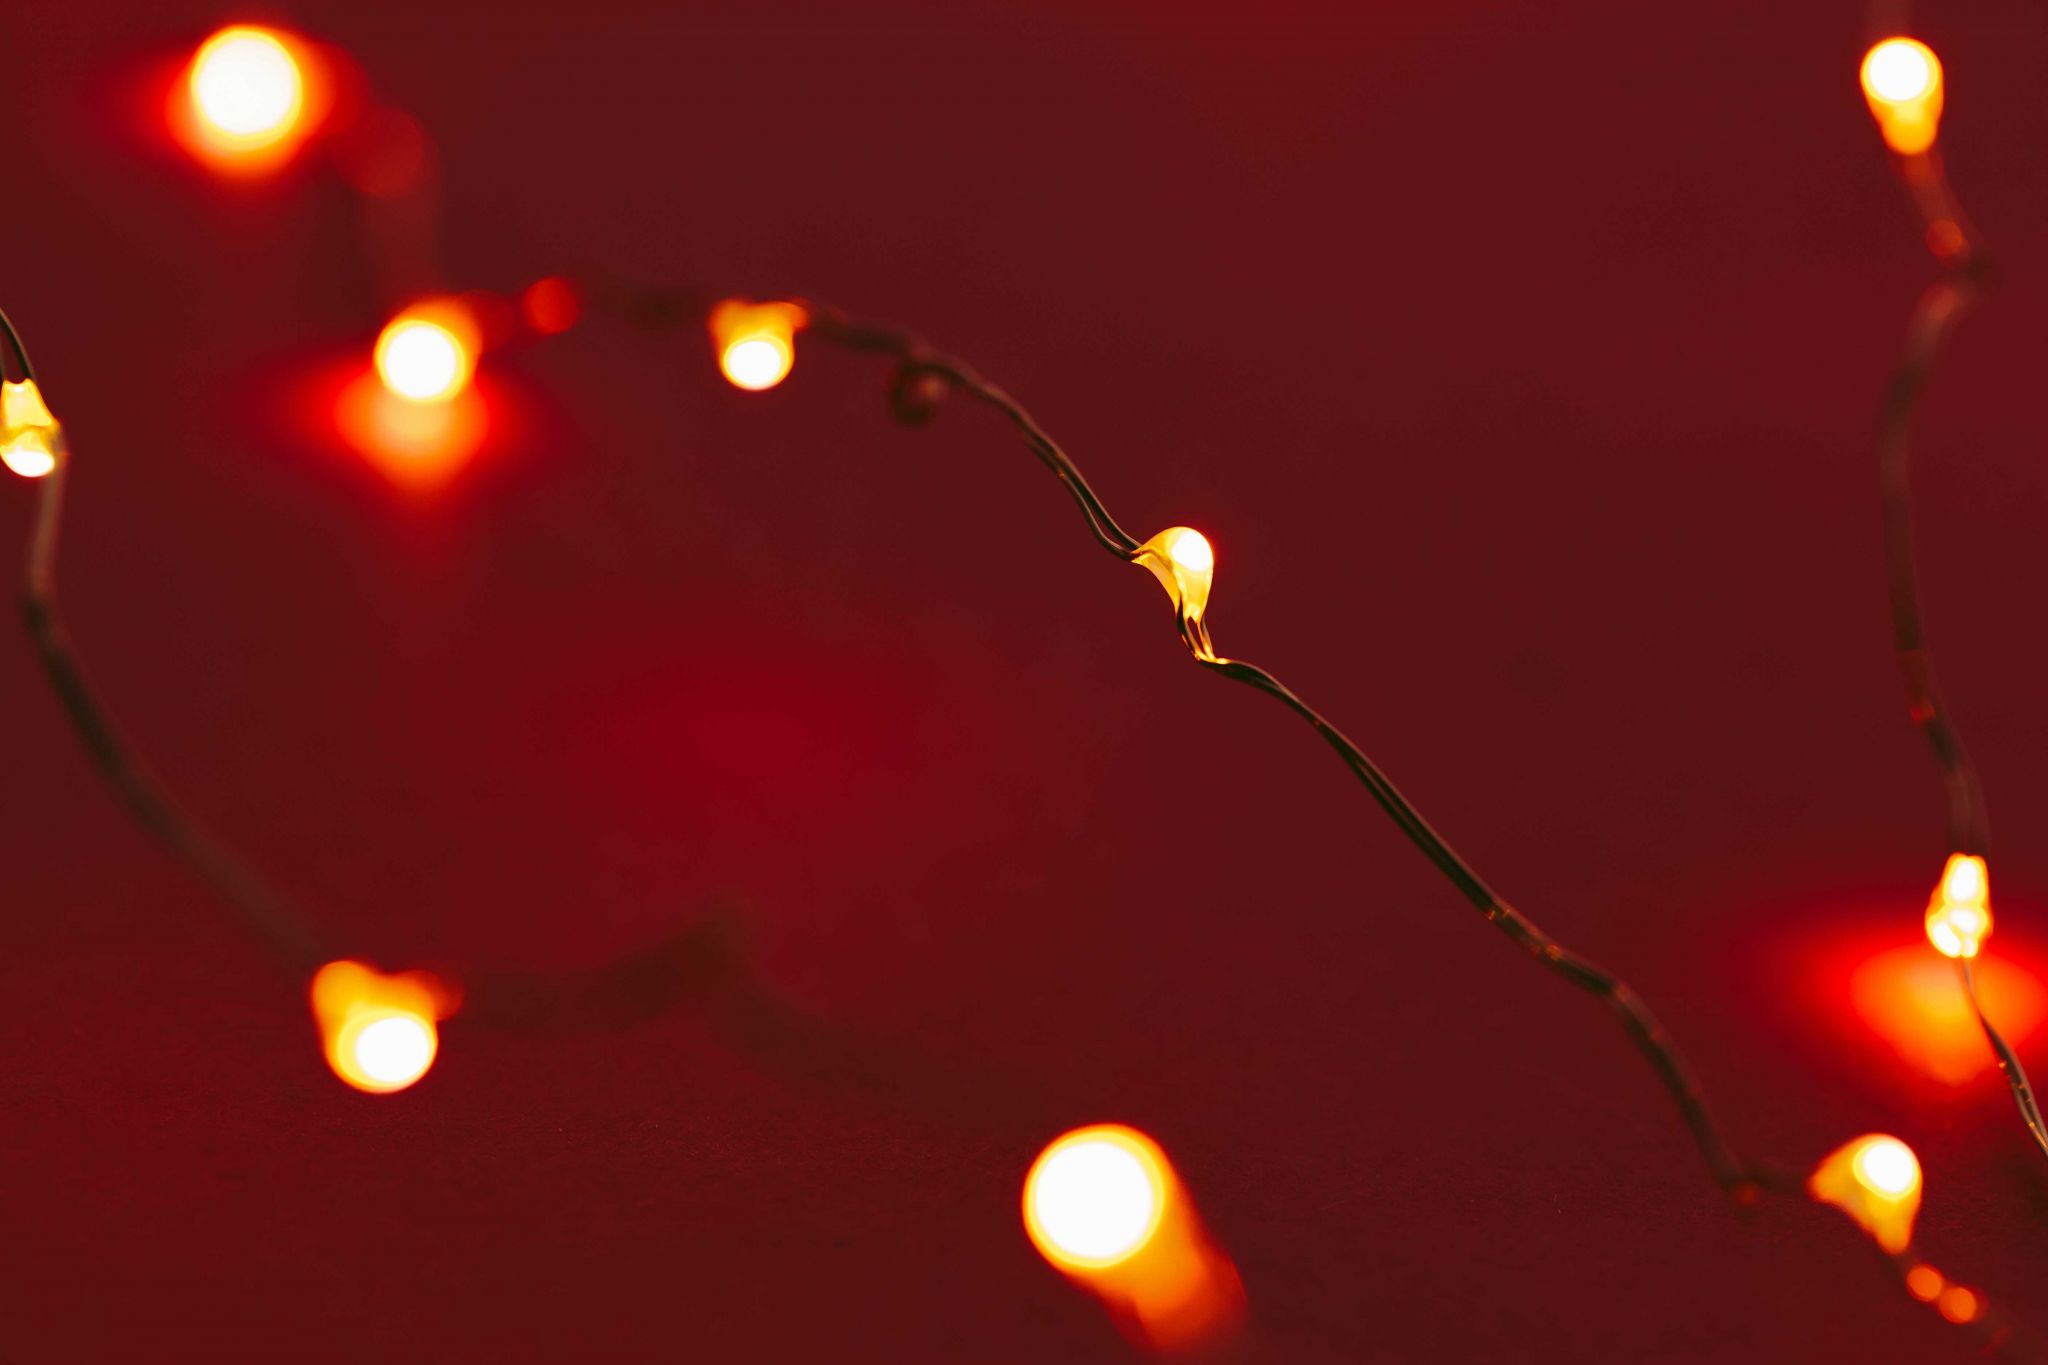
1521	362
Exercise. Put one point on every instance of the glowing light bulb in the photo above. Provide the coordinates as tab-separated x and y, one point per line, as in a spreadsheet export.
378	1030
1103	1205
425	353
756	341
1902	84
1095	1197
1183	561
1959	914
30	439
1875	1179
1887	1167
250	97
246	84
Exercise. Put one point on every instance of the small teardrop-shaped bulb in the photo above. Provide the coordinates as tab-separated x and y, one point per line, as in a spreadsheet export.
1183	561
1959	914
1875	1179
756	342
31	441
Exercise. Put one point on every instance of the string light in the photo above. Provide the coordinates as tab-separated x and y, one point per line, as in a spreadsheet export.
1100	1201
30	439
1104	1206
756	342
377	1031
248	99
1875	1179
1183	561
425	354
1095	1197
1902	83
1959	915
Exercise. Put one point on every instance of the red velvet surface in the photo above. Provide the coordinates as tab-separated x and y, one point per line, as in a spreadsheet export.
1521	363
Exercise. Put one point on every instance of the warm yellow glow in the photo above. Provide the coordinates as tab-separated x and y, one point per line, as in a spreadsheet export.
1902	84
30	438
756	342
1095	1197
1183	561
246	88
378	1030
1875	1180
1959	914
424	357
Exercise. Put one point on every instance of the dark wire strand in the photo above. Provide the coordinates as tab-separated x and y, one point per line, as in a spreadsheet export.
2008	1061
1737	1177
257	905
1743	1180
1966	270
28	371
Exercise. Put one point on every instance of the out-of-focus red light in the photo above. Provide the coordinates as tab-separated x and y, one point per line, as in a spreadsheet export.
550	305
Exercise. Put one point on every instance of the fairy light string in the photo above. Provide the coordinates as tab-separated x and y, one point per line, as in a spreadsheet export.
756	340
1904	86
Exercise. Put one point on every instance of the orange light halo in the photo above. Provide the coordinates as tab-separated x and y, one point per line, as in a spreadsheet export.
1902	84
249	98
756	342
1875	1179
376	1029
1102	1204
31	441
1959	915
1909	997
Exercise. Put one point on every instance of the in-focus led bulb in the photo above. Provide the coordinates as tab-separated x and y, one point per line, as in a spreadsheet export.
1902	84
378	1030
1095	1197
1875	1179
425	353
756	342
246	88
1183	561
30	439
1959	914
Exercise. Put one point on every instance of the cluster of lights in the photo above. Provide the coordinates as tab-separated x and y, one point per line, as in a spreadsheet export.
1102	1204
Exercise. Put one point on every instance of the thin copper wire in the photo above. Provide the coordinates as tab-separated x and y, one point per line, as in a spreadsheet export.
1742	1179
1730	1171
646	980
1966	270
